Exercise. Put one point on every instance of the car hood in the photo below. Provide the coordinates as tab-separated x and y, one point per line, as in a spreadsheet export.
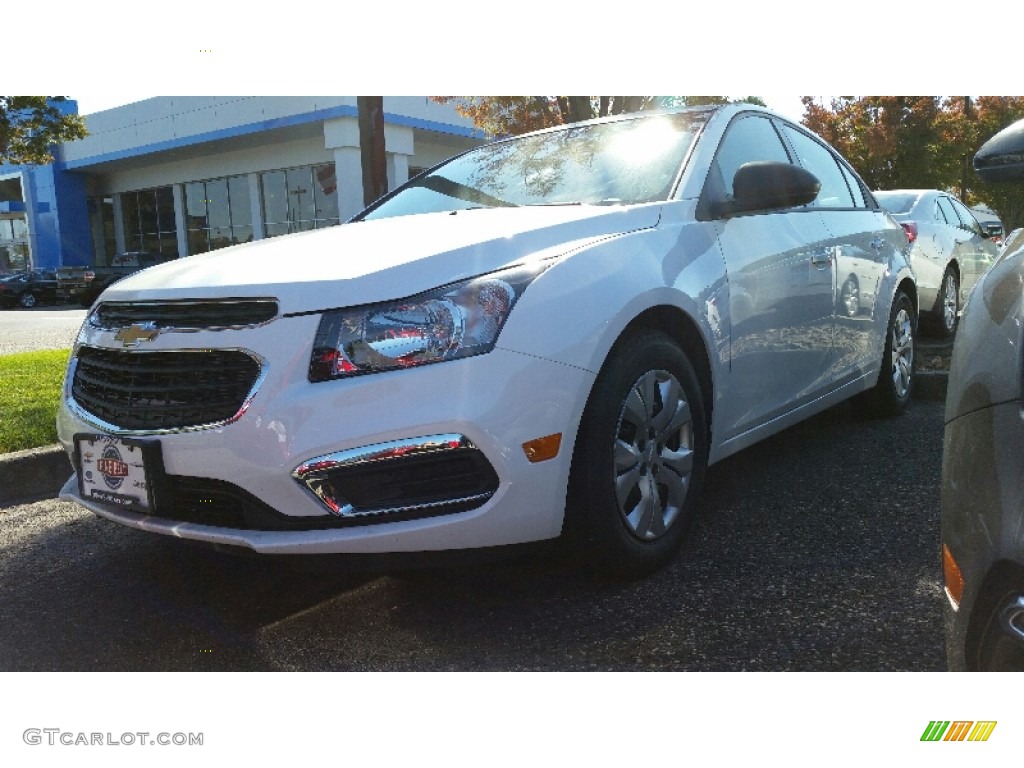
377	260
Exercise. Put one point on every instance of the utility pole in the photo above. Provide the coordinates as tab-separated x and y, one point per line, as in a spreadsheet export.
371	147
967	150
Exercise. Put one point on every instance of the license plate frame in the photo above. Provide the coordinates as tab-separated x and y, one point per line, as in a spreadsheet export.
120	472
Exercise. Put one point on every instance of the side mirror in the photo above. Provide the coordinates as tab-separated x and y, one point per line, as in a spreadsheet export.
768	186
1001	158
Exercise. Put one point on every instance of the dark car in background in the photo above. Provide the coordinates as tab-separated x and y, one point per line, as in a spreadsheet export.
83	285
26	289
949	250
982	481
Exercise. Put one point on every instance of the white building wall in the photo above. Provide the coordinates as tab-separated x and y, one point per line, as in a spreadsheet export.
171	141
174	119
227	163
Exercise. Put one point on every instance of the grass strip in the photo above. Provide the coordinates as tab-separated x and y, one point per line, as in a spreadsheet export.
30	385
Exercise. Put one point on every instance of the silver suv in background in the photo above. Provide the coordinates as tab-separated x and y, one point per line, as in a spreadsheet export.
982	481
949	250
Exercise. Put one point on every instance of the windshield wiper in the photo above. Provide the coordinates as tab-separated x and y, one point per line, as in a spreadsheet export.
462	192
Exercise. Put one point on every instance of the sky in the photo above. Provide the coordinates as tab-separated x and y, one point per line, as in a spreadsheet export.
542	48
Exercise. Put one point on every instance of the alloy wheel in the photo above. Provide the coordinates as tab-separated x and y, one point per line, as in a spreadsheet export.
902	352
949	302
653	455
851	297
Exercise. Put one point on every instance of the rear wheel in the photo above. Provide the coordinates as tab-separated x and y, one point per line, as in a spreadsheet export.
640	457
949	295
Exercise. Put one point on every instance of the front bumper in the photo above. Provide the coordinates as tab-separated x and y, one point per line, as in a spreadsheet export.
498	402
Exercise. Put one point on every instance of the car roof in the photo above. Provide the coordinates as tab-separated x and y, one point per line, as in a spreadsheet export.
707	109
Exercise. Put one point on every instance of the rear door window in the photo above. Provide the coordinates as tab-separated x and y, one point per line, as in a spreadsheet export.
835	193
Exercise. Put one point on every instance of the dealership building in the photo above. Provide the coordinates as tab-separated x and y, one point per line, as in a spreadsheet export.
177	176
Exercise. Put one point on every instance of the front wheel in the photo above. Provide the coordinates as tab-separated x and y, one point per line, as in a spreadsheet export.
891	393
640	457
27	300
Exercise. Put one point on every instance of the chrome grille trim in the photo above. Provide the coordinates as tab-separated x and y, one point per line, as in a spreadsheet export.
188	315
105	426
309	473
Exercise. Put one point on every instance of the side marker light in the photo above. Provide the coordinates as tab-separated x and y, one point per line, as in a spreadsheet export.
543	448
954	579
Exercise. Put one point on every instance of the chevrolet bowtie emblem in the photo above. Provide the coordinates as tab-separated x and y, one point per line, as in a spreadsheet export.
133	334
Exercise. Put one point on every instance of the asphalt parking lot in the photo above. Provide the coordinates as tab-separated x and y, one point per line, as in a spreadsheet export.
815	550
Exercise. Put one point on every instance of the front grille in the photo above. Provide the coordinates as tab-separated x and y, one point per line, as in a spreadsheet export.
222	504
185	315
163	390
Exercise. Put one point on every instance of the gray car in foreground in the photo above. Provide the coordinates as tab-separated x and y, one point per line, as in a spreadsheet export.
949	250
982	481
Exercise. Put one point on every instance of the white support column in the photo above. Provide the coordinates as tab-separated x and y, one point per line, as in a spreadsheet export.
342	136
178	195
398	170
348	169
256	207
398	142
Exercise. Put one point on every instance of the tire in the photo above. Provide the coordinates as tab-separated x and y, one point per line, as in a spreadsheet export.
949	304
27	300
892	392
640	458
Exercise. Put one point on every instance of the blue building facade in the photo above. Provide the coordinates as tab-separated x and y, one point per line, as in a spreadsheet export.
184	175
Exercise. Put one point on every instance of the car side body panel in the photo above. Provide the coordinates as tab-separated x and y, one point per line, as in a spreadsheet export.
982	481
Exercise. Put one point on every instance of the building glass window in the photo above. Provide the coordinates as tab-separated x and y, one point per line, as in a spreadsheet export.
13	245
217	213
149	226
101	223
299	199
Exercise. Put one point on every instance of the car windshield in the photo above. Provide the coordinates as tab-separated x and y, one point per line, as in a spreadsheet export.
896	202
621	162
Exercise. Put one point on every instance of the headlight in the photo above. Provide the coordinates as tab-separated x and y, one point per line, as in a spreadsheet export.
448	323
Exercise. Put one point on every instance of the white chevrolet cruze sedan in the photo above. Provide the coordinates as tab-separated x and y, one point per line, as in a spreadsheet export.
551	335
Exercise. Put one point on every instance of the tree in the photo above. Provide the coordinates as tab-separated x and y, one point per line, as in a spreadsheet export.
30	125
921	142
894	142
986	116
511	115
371	147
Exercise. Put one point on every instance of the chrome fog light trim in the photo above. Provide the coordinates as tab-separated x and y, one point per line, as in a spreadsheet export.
324	476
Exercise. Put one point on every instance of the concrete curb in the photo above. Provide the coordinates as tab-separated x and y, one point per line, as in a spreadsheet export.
31	475
930	385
